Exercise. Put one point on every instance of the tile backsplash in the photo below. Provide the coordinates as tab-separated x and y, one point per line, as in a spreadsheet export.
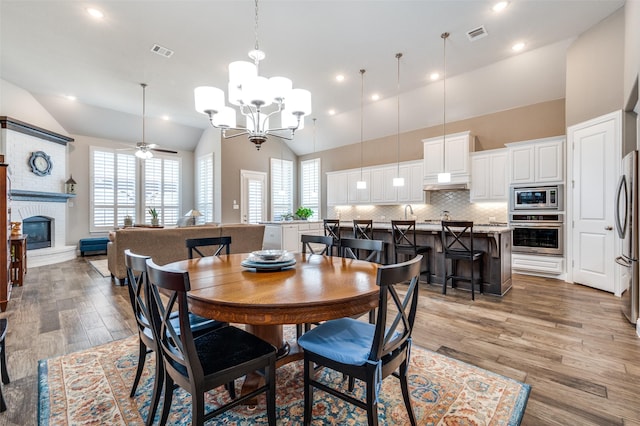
455	202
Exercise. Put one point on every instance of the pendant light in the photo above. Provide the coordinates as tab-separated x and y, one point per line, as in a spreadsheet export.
444	177
361	184
398	180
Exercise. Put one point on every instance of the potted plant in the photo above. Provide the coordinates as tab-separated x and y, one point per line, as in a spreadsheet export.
304	213
154	216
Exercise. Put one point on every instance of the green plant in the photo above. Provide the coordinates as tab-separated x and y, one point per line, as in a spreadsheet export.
153	212
304	212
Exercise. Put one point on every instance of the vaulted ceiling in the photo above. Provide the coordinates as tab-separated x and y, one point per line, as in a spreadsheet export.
53	49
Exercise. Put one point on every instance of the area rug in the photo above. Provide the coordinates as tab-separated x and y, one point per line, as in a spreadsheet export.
92	387
101	266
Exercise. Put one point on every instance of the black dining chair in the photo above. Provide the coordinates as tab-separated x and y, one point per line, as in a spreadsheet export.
138	295
310	244
368	352
3	361
203	362
363	229
457	244
405	243
349	248
194	245
332	229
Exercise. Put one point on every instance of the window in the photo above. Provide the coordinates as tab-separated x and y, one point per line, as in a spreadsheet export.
162	189
281	188
204	187
119	179
310	186
113	188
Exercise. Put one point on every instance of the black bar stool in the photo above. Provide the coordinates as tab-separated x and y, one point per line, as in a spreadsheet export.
332	229
404	242
456	248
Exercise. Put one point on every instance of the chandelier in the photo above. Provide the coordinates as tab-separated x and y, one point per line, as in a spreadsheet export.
258	99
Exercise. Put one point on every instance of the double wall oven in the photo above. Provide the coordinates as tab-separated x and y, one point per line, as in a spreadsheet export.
536	217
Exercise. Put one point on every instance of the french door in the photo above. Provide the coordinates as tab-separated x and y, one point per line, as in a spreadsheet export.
253	196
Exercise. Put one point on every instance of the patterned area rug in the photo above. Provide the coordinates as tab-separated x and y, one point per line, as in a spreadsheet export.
92	387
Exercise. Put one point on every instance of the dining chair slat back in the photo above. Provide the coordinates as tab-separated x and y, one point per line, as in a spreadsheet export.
195	245
310	244
350	247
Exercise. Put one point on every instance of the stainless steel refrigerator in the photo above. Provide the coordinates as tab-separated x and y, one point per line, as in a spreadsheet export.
627	225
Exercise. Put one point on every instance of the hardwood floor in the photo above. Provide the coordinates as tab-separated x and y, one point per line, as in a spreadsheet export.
569	342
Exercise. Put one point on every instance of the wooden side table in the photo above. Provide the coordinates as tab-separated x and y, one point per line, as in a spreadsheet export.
18	258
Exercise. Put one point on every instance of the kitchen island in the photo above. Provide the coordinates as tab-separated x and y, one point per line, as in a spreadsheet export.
494	240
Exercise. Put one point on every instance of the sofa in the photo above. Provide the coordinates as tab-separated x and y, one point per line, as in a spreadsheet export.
167	245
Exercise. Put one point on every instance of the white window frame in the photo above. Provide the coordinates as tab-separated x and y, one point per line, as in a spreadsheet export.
310	183
281	187
205	187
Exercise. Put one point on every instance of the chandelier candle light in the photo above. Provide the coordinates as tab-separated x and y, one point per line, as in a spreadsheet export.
252	94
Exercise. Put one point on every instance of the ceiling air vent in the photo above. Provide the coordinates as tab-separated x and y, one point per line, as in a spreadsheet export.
477	33
162	51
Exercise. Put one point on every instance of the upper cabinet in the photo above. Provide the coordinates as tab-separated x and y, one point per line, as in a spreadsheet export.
489	175
342	190
537	161
450	155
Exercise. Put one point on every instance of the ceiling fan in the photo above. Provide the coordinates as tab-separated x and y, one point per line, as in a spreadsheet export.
144	149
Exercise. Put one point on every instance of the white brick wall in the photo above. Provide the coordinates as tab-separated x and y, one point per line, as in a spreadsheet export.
17	148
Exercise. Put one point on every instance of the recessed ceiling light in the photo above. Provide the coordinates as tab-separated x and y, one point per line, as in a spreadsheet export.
434	76
95	13
518	46
332	112
500	6
339	77
70	97
165	117
375	97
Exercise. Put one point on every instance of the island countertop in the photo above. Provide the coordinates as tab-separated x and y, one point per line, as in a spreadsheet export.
481	228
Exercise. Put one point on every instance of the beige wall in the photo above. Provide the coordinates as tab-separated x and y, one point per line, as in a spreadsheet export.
631	48
595	68
240	154
537	121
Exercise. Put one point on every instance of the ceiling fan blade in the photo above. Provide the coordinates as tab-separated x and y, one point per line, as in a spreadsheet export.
168	151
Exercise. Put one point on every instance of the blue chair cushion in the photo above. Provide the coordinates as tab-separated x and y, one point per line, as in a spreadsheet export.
345	340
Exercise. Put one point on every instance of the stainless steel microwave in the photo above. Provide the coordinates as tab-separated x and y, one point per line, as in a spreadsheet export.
536	198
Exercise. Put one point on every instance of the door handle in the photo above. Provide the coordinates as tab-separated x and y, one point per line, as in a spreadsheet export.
608	228
620	260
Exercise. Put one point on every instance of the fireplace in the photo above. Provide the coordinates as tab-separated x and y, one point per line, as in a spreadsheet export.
38	232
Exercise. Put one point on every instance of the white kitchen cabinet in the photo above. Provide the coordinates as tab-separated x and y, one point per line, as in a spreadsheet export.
537	265
413	175
286	236
537	161
337	190
341	186
489	175
450	155
355	195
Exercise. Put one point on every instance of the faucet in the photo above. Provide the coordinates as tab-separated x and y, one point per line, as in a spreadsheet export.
405	210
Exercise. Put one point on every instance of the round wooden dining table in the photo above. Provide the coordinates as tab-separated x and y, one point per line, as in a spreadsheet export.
316	288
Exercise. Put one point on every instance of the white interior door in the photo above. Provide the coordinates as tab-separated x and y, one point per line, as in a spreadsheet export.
596	156
253	195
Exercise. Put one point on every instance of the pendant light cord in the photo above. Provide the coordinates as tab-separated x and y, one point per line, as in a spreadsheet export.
255	29
444	37
398	56
362	71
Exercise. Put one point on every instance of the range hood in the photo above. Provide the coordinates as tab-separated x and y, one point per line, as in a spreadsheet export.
450	186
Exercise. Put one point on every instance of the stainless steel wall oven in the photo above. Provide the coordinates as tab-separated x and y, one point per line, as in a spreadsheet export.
536	198
538	233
